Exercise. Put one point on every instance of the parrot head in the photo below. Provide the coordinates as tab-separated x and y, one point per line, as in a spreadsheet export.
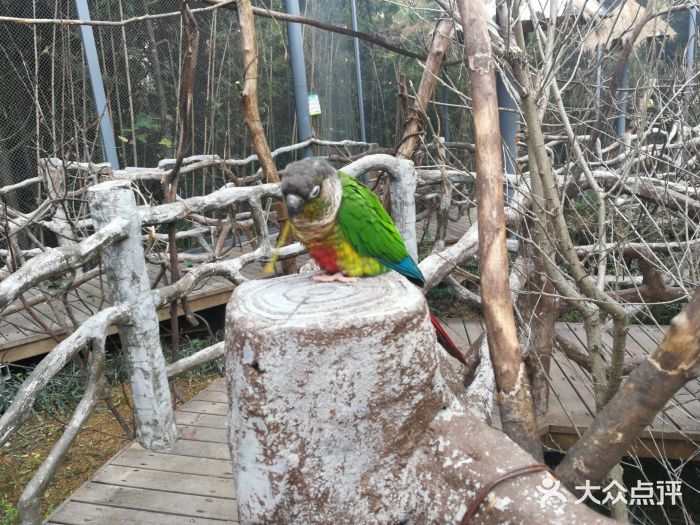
311	189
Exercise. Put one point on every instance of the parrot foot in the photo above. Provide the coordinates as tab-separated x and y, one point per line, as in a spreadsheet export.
326	278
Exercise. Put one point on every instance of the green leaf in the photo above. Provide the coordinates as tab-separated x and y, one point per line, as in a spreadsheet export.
123	139
166	142
146	122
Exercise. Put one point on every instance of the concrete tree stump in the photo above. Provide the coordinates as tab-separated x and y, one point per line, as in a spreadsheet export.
339	413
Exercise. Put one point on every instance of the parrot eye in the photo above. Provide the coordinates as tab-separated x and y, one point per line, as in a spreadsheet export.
314	192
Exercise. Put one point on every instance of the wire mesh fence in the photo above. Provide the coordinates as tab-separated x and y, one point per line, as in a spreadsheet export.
48	108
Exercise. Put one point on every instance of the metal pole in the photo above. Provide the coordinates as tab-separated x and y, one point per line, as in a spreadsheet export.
98	89
301	93
358	74
445	110
621	121
508	121
690	52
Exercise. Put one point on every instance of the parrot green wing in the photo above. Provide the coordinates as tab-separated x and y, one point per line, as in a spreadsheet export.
366	224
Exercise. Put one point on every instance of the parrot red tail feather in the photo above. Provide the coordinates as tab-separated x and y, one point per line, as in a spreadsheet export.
445	340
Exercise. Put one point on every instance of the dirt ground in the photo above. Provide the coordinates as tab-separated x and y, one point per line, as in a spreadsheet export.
101	438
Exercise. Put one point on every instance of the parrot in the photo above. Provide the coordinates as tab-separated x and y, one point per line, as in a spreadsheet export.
346	230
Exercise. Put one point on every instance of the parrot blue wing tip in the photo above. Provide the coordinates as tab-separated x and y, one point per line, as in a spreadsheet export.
408	268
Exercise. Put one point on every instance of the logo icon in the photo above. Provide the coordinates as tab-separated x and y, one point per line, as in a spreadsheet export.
549	488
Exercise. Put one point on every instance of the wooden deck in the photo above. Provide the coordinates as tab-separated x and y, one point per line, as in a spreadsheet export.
674	433
192	483
23	331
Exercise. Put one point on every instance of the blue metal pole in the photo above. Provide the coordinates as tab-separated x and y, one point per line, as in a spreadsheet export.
445	110
508	121
621	121
98	89
301	93
690	51
358	74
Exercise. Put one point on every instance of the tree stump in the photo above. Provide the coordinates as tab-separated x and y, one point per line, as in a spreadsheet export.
339	413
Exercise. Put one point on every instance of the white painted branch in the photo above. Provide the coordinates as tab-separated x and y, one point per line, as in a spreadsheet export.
216	200
5	190
437	266
434	176
194	232
93	330
517	281
125	269
230	269
478	398
97	170
197	162
402	182
665	247
55	261
197	359
262	234
32	252
55	186
380	161
30	502
402	195
162	257
463	293
167	164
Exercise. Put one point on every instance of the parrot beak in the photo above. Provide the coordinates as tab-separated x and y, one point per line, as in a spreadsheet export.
295	204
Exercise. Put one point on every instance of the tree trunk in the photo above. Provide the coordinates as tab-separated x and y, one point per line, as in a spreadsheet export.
514	396
415	115
249	95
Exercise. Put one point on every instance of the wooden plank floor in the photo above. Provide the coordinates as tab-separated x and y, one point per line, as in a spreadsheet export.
192	483
674	433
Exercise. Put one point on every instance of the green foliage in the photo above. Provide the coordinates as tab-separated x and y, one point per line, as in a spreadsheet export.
66	389
147	130
9	515
61	395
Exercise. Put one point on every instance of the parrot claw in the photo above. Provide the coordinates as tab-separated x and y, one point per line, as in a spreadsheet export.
326	278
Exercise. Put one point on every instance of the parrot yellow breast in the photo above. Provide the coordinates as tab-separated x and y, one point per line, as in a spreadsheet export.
335	254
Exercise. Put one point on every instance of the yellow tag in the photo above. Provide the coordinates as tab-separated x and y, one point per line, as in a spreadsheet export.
281	241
